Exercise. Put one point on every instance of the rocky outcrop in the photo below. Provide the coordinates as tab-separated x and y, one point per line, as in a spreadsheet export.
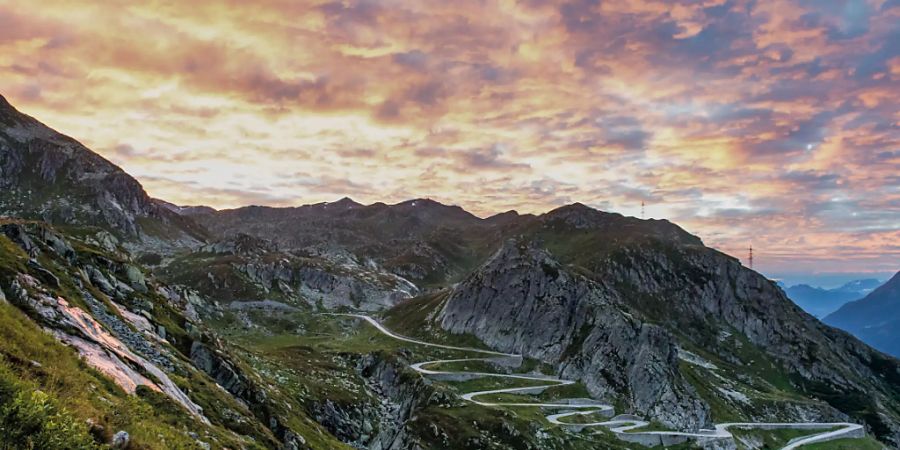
706	295
221	370
381	422
583	331
331	286
101	349
212	360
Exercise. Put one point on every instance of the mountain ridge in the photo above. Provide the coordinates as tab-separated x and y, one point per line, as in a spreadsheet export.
820	302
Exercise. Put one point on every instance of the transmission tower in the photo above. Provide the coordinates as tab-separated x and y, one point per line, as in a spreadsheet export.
751	256
642	209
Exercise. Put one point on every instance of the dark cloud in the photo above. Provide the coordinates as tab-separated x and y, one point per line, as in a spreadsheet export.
415	59
812	180
622	132
487	159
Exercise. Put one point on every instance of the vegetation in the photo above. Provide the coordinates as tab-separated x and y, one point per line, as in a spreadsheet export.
866	443
771	439
31	419
50	386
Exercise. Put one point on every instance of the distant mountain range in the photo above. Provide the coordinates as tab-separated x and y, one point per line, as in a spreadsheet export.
820	302
875	319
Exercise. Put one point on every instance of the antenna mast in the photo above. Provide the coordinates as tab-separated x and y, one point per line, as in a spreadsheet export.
642	209
751	256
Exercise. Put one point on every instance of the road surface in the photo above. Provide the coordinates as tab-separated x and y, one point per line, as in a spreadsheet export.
623	426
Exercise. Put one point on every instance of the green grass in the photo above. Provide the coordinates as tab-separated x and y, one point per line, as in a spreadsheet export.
414	318
585	418
32	419
773	439
490	383
866	443
38	361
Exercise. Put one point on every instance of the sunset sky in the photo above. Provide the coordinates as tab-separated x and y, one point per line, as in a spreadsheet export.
773	122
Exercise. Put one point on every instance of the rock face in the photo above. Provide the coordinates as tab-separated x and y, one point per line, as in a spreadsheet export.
47	176
875	319
332	287
704	294
582	330
382	424
214	363
614	302
127	341
241	244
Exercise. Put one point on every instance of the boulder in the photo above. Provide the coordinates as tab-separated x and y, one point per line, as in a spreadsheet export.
136	278
120	440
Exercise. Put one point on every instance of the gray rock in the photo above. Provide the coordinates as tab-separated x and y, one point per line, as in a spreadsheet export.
293	441
220	369
120	440
135	278
332	286
57	243
99	280
106	241
584	332
45	275
19	236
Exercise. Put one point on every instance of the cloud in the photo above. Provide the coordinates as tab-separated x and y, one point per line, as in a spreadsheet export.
741	120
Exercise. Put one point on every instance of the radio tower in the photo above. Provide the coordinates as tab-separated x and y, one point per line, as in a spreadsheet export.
751	256
642	209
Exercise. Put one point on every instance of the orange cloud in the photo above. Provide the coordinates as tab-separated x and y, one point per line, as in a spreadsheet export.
771	121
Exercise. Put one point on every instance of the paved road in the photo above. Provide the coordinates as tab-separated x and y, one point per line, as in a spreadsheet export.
622	426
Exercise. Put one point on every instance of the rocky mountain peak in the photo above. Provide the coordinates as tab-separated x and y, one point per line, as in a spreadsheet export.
579	218
345	203
4	105
48	176
431	211
504	218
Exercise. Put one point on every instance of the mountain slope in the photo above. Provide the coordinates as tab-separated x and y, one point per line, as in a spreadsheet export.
875	319
118	350
47	176
647	303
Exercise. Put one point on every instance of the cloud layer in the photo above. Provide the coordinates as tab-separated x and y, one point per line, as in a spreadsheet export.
773	122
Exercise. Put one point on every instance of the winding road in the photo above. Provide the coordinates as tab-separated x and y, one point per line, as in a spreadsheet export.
622	426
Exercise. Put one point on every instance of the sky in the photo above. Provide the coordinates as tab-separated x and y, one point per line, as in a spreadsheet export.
773	122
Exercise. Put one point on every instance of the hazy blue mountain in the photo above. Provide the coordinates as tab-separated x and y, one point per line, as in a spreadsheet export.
820	301
875	319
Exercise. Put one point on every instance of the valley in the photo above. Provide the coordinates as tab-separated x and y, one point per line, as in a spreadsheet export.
625	427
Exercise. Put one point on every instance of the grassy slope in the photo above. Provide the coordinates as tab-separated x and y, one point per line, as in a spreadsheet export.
153	420
38	362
